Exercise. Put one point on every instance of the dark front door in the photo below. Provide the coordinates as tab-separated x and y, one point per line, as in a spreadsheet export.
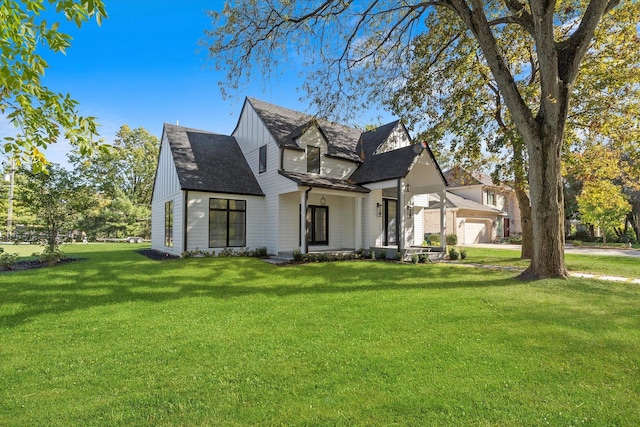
507	227
390	218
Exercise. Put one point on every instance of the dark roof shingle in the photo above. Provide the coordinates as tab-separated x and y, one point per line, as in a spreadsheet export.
210	162
323	182
389	165
285	125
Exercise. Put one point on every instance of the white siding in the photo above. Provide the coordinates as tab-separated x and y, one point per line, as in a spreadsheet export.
157	223
166	182
198	220
397	139
372	223
474	193
418	226
166	188
251	134
296	161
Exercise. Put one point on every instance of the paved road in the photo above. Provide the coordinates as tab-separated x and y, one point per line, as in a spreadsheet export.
569	249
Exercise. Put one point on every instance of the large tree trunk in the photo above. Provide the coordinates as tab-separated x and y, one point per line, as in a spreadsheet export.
547	207
526	223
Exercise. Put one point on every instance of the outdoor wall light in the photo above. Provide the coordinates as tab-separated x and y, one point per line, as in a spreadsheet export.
323	200
409	211
379	208
408	188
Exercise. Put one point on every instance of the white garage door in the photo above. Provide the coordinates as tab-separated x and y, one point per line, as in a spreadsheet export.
475	232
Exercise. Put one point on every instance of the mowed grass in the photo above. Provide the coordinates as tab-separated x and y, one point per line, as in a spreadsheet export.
596	264
118	339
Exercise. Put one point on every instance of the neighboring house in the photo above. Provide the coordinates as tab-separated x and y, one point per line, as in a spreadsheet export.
478	211
285	180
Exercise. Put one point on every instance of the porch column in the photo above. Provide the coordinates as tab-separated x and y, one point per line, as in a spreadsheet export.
443	219
400	212
358	223
304	248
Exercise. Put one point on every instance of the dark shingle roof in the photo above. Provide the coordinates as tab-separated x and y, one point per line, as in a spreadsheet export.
389	165
371	140
210	162
458	177
285	125
323	182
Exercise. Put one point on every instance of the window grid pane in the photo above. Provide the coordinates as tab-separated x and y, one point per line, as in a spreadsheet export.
227	223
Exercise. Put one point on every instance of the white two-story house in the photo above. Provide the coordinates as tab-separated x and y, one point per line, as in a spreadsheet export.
478	211
285	180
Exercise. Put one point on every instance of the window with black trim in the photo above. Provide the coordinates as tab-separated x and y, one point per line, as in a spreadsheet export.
168	224
313	159
262	162
227	223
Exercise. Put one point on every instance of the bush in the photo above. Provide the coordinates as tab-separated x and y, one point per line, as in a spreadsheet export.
453	254
50	257
197	253
434	240
463	254
226	252
8	261
423	258
415	258
577	243
452	239
515	240
398	256
261	252
297	255
383	255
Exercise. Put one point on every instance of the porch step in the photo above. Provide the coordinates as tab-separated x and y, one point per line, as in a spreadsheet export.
281	258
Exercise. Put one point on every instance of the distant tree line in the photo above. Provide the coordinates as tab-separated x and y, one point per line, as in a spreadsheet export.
105	195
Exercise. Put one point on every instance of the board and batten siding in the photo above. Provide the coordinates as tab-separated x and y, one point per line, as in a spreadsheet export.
166	189
251	134
198	219
397	139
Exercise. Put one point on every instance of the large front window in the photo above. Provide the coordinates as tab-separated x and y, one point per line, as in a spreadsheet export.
168	224
313	159
227	223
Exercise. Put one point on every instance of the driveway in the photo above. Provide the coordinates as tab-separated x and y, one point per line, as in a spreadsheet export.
569	249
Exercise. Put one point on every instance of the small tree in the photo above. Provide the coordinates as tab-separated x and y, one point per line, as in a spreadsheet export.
57	198
602	204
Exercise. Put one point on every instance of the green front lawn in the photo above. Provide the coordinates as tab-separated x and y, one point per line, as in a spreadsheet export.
118	339
596	264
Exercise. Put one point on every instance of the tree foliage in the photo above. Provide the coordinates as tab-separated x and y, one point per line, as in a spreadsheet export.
123	179
40	115
356	53
57	198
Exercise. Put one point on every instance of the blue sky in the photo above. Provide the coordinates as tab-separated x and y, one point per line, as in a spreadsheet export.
141	68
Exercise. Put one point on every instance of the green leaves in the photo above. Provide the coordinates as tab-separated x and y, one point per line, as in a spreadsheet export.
39	115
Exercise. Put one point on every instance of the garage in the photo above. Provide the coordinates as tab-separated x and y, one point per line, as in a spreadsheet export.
476	231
